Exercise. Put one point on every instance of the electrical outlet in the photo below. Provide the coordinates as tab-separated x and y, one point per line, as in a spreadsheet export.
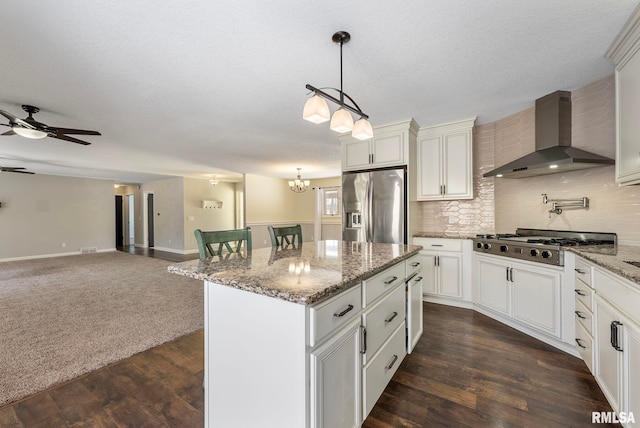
63	245
191	218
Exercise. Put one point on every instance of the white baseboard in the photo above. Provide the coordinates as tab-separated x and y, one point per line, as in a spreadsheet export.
47	256
448	301
175	251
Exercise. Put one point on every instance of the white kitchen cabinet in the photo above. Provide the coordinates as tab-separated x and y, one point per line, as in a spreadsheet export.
414	290
618	340
524	293
335	380
445	161
443	269
388	147
584	315
625	52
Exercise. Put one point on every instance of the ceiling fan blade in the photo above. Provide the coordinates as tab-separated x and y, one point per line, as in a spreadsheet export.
23	172
9	132
67	138
72	131
9	116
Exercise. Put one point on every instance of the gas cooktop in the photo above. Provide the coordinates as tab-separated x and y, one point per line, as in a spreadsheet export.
540	245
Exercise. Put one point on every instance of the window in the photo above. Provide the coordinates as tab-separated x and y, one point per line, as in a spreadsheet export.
331	201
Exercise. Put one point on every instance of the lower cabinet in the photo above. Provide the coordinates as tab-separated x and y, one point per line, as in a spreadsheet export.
530	295
446	279
336	398
618	342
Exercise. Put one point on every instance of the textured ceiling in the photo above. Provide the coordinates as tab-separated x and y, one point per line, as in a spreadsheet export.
193	88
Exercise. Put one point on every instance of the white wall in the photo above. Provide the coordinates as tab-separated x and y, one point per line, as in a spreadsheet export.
41	212
168	207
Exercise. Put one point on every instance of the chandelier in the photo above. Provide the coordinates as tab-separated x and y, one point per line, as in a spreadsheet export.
298	185
214	180
316	109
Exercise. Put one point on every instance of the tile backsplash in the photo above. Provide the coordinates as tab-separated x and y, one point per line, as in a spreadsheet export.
502	205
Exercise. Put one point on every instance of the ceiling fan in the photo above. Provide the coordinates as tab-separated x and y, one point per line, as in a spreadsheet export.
15	169
31	128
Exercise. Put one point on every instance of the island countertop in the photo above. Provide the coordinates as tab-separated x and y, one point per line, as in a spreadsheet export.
305	275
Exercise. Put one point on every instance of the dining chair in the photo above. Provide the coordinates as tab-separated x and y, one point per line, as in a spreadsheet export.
225	239
281	236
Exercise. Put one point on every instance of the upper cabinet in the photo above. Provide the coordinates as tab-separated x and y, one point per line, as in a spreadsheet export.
625	52
388	147
445	162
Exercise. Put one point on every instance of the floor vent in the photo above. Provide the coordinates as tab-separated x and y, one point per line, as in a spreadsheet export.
88	250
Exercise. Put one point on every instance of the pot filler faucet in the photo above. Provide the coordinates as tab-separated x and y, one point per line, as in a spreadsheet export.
558	204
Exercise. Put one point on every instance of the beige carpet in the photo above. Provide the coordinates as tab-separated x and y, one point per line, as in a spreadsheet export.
65	316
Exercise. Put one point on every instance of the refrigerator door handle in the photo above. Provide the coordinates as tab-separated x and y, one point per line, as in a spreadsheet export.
369	205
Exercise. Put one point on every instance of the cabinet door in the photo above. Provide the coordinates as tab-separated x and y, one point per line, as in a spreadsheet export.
388	150
335	380
609	360
632	356
429	169
456	159
450	270
628	143
492	285
429	273
536	298
414	311
355	154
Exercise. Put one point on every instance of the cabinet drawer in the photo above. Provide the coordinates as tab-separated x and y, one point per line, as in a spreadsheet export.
376	286
382	320
378	373
439	244
620	292
584	294
584	344
337	311
413	265
584	316
583	272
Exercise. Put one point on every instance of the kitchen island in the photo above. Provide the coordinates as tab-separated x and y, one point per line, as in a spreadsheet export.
305	336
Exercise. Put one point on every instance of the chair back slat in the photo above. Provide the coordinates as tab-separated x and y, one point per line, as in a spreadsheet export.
206	239
288	234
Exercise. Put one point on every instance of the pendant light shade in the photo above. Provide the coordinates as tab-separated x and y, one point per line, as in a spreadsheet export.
316	110
29	133
362	130
341	121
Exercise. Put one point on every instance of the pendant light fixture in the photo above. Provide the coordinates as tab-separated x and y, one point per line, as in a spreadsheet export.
299	185
316	109
214	180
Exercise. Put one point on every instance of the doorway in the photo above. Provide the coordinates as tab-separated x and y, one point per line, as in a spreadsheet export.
119	223
148	219
130	235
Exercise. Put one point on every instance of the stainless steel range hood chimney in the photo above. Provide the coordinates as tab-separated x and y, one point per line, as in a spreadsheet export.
553	143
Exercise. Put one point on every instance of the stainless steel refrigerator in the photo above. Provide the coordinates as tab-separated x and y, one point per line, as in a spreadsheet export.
374	206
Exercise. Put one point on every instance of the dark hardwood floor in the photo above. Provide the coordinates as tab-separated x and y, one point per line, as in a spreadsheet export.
157	254
467	371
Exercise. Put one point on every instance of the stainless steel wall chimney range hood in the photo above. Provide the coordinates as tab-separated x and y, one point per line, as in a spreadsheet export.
553	143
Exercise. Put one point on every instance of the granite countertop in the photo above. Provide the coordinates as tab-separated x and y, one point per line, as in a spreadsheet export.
305	275
612	258
446	235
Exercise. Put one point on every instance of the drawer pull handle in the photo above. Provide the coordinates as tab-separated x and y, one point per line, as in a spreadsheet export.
579	342
393	361
393	315
437	245
581	293
391	280
580	271
415	264
418	279
343	313
363	340
579	315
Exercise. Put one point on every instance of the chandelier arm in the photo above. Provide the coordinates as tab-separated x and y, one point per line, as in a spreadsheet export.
355	110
